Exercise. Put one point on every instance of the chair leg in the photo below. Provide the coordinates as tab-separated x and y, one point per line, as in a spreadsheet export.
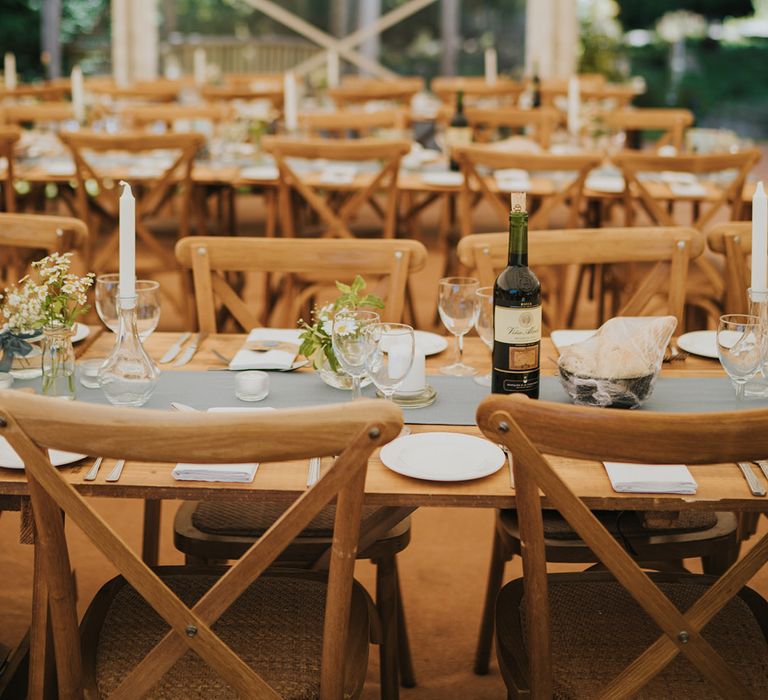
405	661
192	560
495	575
150	545
386	602
717	564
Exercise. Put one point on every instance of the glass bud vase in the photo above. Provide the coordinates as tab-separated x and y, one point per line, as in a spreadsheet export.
757	387
128	376
58	362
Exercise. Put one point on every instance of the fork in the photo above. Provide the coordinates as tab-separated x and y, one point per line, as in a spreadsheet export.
313	473
114	475
506	451
94	470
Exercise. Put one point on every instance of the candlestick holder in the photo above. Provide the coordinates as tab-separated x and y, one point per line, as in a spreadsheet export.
129	375
757	387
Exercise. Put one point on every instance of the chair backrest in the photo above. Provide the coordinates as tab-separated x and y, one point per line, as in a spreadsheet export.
142	116
670	248
36	113
336	217
617	96
352	120
565	186
542	121
170	175
671	122
9	136
32	423
360	90
733	240
210	258
503	91
531	429
146	91
273	92
721	177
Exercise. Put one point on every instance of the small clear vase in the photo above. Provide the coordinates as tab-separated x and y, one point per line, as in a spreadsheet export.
58	362
757	387
129	375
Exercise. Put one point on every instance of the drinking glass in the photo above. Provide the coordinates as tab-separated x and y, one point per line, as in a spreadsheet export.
389	355
484	326
349	344
740	346
147	303
457	305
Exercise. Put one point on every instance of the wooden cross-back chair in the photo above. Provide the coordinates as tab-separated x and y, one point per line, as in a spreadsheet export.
672	123
211	258
616	95
357	91
24	237
504	90
478	186
733	240
142	116
670	249
37	113
9	137
335	216
352	120
542	121
291	604
144	91
631	625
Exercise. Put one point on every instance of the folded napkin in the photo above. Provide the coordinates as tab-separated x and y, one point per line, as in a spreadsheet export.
338	174
650	478
271	359
512	180
687	189
234	473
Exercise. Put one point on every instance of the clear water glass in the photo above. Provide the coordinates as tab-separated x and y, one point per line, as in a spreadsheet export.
389	353
147	303
484	326
457	306
349	343
740	347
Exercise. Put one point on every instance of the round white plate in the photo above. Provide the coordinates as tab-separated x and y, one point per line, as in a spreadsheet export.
442	456
702	343
605	183
81	333
430	343
442	179
260	172
10	460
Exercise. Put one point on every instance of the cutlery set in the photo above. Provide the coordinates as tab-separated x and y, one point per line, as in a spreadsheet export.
189	352
114	475
755	485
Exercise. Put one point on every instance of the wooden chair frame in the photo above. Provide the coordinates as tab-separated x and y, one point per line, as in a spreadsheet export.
179	174
9	136
472	157
543	120
582	433
361	90
142	116
341	122
671	248
389	152
36	113
30	423
209	258
474	88
672	122
734	241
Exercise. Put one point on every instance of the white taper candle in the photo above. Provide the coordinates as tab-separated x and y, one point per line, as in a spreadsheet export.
127	287
78	94
9	71
290	102
574	105
491	66
333	69
199	66
759	239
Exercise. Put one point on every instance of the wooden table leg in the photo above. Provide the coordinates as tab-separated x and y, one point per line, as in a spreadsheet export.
41	661
150	545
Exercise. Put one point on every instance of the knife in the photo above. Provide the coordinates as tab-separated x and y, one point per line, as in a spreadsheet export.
755	486
763	464
190	351
114	475
175	349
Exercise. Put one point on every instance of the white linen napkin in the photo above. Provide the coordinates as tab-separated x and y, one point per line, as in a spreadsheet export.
650	478
687	189
340	174
271	359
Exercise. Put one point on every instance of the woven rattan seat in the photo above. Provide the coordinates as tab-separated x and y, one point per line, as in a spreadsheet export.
598	628
253	519
276	627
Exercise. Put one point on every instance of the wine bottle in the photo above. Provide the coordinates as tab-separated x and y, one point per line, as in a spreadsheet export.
459	132
536	84
517	314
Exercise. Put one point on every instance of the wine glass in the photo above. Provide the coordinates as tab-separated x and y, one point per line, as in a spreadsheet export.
484	326
389	355
457	305
740	346
349	344
147	303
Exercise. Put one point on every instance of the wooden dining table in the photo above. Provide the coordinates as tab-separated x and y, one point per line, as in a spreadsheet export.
721	487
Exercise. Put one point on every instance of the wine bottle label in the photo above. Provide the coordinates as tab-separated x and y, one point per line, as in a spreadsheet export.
458	135
517	326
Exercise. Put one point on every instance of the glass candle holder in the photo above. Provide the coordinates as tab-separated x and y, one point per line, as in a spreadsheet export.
757	387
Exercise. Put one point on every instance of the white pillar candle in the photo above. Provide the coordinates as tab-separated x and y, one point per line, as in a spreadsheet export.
491	66
127	287
759	239
333	69
416	380
9	71
290	102
78	94
574	105
199	66
399	361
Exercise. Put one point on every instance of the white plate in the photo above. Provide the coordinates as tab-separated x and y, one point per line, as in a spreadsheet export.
702	343
442	456
562	339
441	179
10	460
260	172
605	183
430	343
81	333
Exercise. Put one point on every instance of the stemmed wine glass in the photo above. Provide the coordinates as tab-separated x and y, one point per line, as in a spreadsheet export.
484	326
457	305
349	343
389	355
740	346
147	303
